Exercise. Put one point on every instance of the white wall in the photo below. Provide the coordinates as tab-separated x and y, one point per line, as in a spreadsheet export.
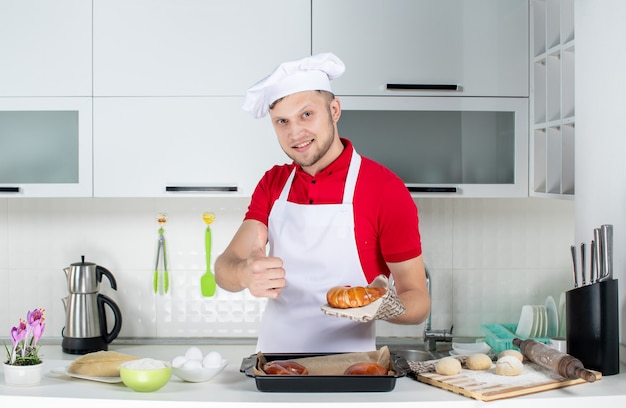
600	136
487	258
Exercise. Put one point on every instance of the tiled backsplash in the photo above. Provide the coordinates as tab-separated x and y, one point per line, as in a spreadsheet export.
487	257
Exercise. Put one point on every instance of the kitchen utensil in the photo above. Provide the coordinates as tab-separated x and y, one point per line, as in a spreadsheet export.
86	329
145	379
207	281
321	383
201	374
592	330
161	255
488	386
606	232
592	263
575	264
583	263
597	236
554	360
85	277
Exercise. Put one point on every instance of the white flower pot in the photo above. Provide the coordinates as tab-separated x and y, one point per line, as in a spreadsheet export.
22	375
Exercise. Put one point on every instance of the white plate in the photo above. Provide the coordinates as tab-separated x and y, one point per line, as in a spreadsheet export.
525	324
543	321
63	371
200	374
553	317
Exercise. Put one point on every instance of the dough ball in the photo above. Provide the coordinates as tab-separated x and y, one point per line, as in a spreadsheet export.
448	366
478	361
509	365
513	353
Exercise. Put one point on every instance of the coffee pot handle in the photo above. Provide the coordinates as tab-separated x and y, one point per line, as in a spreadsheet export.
117	313
100	271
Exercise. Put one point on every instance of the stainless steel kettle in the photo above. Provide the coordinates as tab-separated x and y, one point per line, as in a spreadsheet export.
85	277
86	329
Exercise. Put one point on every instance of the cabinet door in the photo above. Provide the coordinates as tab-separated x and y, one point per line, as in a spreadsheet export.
444	147
45	48
45	147
169	146
481	46
194	48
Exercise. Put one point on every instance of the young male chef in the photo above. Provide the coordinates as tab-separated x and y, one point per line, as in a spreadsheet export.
331	217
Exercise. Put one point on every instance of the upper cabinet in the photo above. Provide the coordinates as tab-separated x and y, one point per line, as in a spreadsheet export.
45	48
179	146
425	47
194	48
552	99
46	147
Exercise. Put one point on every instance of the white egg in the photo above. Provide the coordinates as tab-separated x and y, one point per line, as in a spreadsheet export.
194	353
179	361
212	359
192	365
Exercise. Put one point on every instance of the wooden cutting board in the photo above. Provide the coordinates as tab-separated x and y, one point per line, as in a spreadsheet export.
489	386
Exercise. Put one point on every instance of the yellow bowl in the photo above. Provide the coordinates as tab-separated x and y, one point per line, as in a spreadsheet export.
144	379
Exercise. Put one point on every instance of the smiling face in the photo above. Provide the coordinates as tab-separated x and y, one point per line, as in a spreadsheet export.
306	126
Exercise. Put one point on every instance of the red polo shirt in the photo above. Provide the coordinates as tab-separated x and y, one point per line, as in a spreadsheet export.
385	215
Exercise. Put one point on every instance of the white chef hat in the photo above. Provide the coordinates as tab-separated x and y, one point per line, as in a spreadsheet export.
308	74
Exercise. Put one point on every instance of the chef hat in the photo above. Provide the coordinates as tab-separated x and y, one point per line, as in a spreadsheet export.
308	74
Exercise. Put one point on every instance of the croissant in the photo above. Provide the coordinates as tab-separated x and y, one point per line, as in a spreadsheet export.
344	297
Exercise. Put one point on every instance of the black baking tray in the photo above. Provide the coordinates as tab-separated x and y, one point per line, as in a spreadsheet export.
322	383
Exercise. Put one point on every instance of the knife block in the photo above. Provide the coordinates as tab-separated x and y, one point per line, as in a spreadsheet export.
592	325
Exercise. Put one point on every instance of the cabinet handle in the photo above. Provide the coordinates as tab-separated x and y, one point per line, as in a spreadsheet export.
190	189
425	87
9	189
415	189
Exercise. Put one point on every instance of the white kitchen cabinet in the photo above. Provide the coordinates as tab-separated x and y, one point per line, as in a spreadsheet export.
194	48
552	99
45	147
476	47
180	146
45	48
444	147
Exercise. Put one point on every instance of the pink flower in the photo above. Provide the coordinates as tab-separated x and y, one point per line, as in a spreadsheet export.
24	338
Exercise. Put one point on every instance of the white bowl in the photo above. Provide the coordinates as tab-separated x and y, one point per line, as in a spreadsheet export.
199	374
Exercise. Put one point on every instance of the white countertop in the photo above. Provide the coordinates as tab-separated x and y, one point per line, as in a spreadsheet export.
231	388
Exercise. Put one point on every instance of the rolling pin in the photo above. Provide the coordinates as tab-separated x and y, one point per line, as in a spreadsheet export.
554	360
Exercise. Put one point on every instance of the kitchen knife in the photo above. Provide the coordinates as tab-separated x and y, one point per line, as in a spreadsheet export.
583	263
606	232
598	252
575	262
592	263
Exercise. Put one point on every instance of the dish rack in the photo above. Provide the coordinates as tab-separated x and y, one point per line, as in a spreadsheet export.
500	336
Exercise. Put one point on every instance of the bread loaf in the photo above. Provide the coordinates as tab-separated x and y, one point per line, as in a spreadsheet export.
365	368
99	364
284	367
344	297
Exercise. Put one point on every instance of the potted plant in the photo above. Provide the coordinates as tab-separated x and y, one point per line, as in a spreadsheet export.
23	366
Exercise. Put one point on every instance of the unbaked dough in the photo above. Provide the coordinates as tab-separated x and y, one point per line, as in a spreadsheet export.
478	361
448	366
509	365
513	353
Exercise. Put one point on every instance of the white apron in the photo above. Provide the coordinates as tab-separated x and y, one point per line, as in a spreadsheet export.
318	249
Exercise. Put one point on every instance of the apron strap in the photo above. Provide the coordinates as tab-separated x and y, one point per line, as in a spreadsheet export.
348	191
